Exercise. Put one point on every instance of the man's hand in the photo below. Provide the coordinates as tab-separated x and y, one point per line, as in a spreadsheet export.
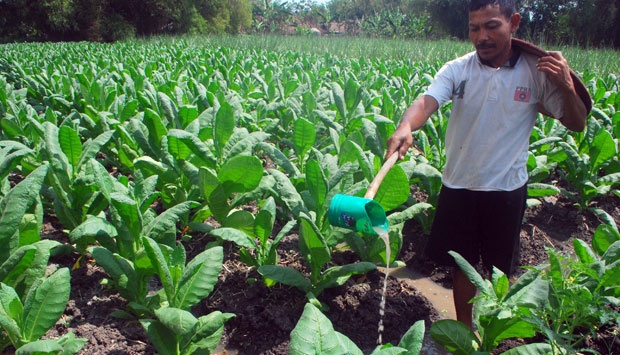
413	119
556	67
400	141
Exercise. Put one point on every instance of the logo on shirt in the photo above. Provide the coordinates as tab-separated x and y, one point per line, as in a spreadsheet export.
523	94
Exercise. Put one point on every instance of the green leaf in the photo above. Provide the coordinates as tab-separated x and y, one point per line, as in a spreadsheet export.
207	333
286	192
45	304
313	246
161	266
15	205
187	114
471	273
223	127
39	347
264	221
199	278
603	148
162	338
95	228
604	236
315	180
181	143
70	144
286	275
455	336
314	334
11	313
413	338
394	190
584	252
236	236
17	263
179	321
167	220
241	174
339	100
120	270
169	109
530	349
304	136
338	275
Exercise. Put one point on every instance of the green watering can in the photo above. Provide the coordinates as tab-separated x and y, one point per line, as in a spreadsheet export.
362	214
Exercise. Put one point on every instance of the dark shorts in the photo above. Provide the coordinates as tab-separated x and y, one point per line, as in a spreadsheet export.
478	224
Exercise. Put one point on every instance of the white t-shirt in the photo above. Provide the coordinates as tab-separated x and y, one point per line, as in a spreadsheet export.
493	113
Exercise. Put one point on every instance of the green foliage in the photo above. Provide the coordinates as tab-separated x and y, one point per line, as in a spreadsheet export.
314	334
24	322
580	290
317	254
176	331
501	311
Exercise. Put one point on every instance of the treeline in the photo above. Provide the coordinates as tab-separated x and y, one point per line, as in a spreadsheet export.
577	22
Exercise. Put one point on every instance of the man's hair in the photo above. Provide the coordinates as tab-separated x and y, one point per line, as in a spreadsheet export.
507	7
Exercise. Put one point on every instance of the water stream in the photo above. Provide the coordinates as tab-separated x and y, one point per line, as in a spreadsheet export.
383	234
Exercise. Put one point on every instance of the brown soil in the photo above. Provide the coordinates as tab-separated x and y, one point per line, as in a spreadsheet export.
266	316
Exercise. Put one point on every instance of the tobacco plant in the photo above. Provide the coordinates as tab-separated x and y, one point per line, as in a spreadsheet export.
580	290
315	334
501	311
176	331
317	254
252	235
25	320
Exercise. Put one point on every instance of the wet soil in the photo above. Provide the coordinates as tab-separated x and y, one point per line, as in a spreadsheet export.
265	316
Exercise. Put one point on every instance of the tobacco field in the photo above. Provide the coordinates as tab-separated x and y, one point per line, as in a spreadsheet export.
137	178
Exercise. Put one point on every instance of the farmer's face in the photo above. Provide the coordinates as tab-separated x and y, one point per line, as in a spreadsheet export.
490	32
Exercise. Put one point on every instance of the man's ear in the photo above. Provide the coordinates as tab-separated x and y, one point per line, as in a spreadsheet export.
514	21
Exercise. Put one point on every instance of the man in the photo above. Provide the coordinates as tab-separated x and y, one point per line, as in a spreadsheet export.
496	92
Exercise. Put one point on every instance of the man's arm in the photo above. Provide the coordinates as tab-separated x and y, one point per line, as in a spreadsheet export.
413	119
556	67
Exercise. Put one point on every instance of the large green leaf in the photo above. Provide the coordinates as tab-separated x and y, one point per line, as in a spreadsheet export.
167	220
455	337
45	304
241	174
313	246
236	236
181	143
70	144
207	333
11	313
471	273
603	148
286	275
394	190
15	205
162	338
223	127
413	338
159	261
199	278
179	321
93	147
315	180
286	192
304	136
314	334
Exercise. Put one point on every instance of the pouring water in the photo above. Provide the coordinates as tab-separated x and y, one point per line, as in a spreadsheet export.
383	234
